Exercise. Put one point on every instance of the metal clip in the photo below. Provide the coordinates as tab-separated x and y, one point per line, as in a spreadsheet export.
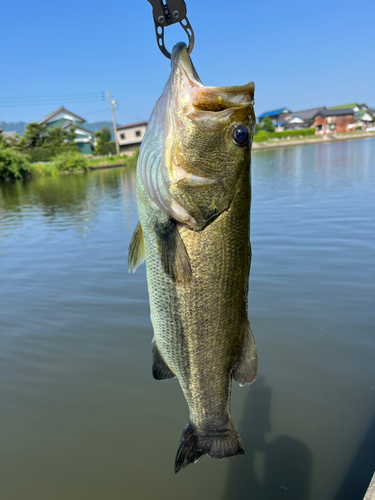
167	12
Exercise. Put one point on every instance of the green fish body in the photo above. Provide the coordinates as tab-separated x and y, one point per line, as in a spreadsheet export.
193	198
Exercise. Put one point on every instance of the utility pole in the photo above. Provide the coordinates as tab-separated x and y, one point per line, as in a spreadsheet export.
113	104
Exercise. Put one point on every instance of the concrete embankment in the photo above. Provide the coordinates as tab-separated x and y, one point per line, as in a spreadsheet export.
102	167
262	146
370	494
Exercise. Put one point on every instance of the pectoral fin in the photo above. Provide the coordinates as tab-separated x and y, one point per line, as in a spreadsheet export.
172	251
246	370
136	249
160	369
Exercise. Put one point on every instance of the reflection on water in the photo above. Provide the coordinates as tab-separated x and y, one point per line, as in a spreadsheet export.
81	416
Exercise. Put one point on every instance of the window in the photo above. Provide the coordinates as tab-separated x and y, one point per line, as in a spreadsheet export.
138	133
122	136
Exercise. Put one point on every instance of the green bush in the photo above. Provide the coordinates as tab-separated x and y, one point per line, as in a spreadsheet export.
263	136
71	161
13	164
104	144
48	153
267	125
106	148
43	170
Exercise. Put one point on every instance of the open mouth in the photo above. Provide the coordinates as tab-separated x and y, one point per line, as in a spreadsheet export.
209	98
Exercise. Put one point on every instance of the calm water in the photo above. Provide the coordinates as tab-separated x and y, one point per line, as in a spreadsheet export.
81	416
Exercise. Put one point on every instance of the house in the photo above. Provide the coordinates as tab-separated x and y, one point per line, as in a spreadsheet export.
364	118
130	136
297	120
11	134
354	106
65	119
330	121
274	115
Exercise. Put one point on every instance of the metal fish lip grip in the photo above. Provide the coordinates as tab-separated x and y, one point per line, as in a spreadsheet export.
169	12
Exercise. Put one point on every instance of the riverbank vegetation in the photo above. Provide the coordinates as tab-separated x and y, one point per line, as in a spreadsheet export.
13	164
264	136
104	146
17	165
266	131
45	152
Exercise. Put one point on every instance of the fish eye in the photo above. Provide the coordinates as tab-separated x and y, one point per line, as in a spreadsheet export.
241	135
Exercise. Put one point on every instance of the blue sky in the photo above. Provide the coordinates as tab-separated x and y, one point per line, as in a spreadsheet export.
299	54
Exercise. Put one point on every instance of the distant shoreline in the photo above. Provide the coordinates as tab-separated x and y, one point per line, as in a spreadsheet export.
264	146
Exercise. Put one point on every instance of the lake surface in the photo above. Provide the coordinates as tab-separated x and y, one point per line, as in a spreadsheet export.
82	417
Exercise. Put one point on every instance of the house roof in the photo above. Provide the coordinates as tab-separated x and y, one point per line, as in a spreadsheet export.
308	114
274	112
362	113
132	126
305	115
70	123
351	106
8	134
58	111
363	105
336	112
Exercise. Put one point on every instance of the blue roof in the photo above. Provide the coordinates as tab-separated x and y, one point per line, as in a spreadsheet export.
272	113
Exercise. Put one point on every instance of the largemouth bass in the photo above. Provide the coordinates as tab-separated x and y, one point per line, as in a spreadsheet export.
193	199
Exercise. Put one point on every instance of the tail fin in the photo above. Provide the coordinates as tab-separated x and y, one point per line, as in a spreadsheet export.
219	444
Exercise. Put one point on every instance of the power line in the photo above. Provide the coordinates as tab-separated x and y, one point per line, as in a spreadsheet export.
99	95
46	103
54	100
97	112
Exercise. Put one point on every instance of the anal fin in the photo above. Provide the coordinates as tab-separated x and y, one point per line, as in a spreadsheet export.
246	370
172	251
136	249
160	369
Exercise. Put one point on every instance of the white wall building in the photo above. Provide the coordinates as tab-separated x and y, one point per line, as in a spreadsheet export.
130	136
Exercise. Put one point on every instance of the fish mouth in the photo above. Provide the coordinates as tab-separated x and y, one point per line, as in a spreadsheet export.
180	61
204	98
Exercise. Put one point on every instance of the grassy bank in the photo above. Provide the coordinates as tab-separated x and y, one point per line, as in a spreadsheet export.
113	160
16	165
308	140
263	136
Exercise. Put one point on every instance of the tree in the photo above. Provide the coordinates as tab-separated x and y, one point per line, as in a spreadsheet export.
58	137
13	143
104	137
72	134
268	125
34	135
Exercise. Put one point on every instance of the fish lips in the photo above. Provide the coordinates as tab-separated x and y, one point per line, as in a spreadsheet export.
214	99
